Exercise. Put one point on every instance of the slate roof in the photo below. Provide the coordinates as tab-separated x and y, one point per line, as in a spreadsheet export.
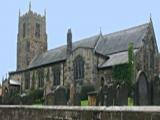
59	54
102	44
51	56
116	59
118	41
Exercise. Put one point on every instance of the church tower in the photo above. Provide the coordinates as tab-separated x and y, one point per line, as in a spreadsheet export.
31	38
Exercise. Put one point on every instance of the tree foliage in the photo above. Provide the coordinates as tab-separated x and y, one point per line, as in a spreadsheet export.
37	96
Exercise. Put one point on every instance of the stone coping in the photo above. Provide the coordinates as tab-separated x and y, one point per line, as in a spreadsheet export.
88	108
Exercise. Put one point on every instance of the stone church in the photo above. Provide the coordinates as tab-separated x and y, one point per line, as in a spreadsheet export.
84	62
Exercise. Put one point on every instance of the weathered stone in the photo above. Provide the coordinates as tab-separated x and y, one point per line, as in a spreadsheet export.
78	113
32	38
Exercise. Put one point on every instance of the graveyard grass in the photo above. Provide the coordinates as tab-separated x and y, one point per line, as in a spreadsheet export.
84	103
130	102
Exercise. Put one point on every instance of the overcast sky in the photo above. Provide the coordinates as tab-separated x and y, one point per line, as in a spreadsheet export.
84	17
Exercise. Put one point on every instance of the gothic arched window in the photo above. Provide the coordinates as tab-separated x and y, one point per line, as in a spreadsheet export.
27	80
56	75
40	78
78	67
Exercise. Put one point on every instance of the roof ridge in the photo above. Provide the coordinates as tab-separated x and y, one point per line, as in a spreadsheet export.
98	36
56	48
127	29
121	51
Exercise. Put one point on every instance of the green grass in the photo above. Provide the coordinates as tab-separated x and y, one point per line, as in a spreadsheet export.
84	103
130	102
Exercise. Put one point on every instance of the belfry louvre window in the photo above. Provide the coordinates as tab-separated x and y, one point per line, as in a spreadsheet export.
78	66
37	30
24	30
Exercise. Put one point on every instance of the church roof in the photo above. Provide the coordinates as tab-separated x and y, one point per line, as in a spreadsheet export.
118	41
59	54
103	44
116	59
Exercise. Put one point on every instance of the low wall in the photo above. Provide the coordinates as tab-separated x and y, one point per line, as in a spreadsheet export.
14	112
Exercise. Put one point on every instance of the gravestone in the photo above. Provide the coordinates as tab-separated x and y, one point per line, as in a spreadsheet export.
77	100
156	91
57	97
111	93
60	96
50	99
142	89
121	95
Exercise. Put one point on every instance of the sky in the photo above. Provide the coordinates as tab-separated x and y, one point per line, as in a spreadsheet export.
84	17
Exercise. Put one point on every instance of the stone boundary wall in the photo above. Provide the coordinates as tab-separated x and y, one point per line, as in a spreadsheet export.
15	112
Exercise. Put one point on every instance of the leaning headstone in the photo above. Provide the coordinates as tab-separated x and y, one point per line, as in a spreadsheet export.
142	89
156	91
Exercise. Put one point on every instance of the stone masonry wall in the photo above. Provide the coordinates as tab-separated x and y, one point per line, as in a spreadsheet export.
91	62
28	44
78	113
92	76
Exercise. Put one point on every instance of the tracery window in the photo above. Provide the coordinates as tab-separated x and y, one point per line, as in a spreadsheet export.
78	66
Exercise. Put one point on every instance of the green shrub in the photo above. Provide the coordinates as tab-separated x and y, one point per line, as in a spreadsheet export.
33	97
